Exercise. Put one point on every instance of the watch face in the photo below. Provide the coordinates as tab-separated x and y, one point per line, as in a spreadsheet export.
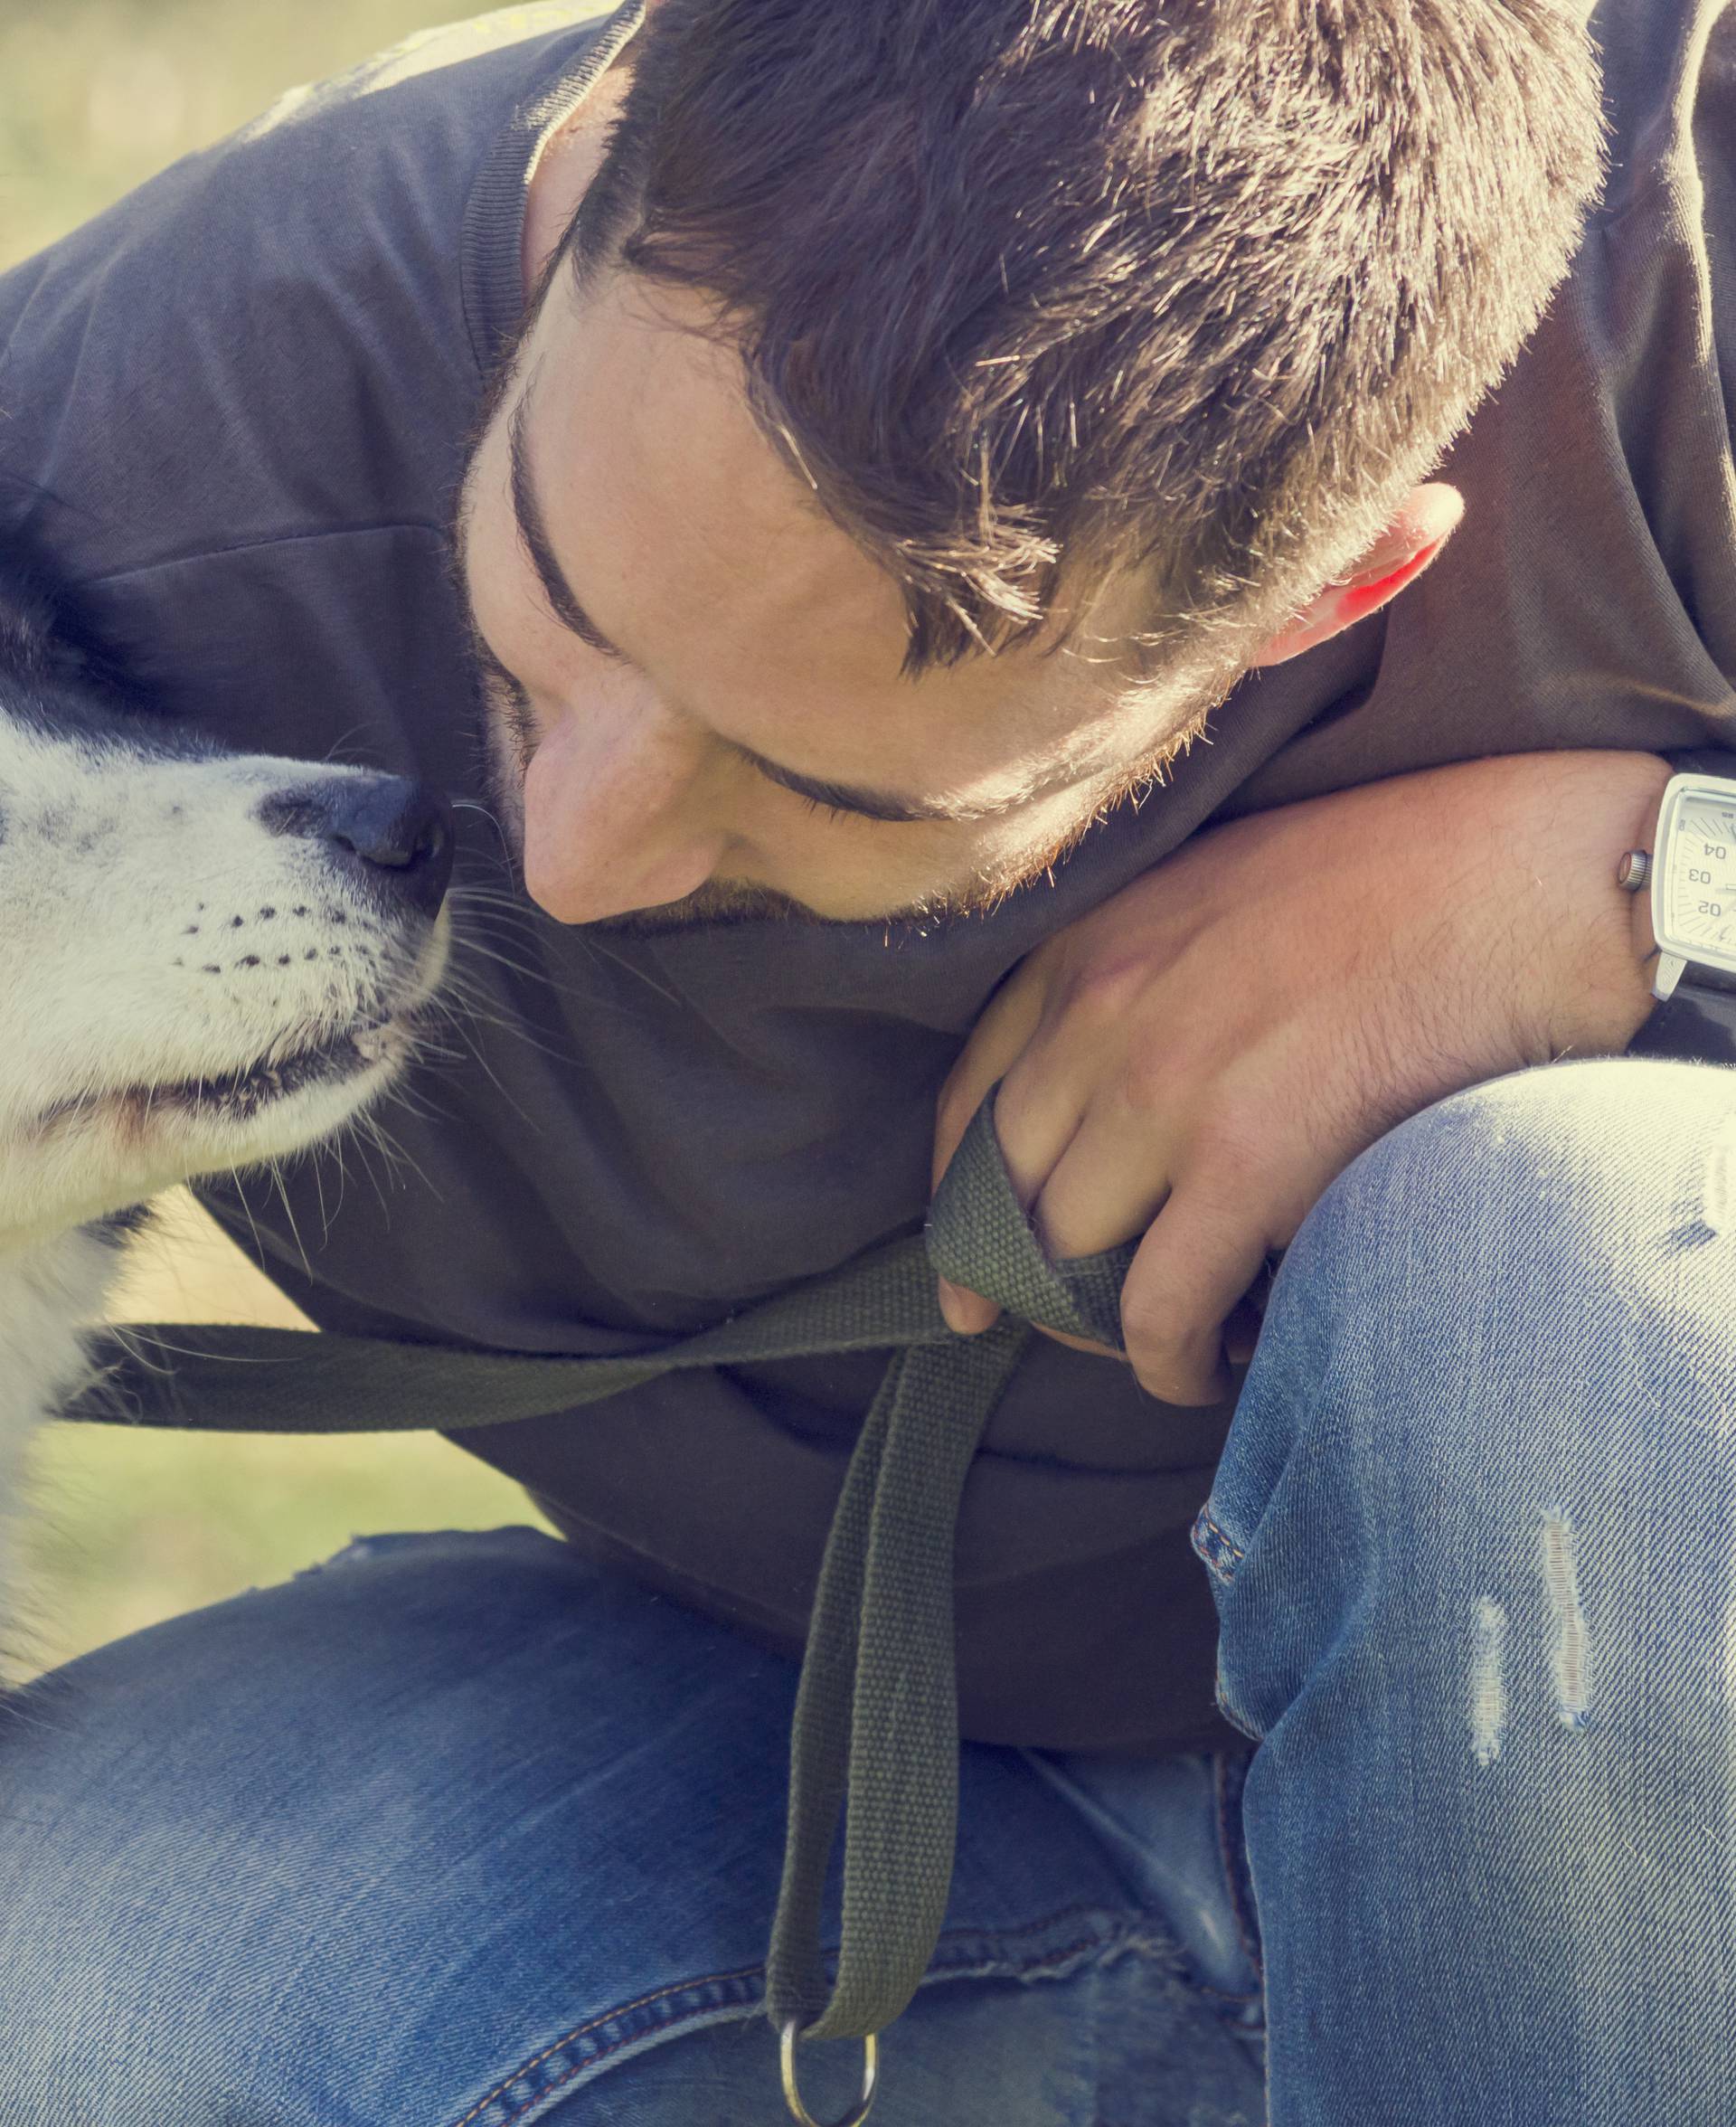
1693	889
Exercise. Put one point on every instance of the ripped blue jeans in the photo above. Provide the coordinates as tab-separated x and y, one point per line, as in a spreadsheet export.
1474	1544
455	1832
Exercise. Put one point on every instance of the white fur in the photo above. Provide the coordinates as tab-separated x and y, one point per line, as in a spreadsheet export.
123	970
45	1294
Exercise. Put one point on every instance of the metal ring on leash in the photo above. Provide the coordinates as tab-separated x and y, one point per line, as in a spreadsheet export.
787	2037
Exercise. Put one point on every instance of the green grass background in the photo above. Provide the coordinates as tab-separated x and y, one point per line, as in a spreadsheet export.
96	95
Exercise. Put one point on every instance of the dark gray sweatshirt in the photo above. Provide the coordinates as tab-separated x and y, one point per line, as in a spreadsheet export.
242	396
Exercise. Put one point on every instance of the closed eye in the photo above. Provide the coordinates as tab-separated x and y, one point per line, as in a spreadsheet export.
831	812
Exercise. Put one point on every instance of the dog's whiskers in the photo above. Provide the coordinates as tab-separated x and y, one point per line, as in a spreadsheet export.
275	1171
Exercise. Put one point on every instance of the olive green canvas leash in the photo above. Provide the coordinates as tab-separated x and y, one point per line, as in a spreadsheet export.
876	1736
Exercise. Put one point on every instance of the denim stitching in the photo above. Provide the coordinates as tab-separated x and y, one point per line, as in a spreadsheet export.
746	1972
674	2023
591	2060
1235	1867
748	1981
1213	1544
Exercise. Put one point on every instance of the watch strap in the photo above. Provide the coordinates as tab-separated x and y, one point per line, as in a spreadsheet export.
1696	1024
1702	761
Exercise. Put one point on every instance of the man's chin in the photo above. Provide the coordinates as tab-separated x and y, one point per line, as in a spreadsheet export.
721	903
717	902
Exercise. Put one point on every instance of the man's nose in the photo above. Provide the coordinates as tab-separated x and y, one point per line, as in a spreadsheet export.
614	819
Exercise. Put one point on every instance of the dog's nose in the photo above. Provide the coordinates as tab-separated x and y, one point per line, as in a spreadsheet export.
395	835
400	829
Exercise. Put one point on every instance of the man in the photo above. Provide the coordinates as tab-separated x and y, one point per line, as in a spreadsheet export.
928	539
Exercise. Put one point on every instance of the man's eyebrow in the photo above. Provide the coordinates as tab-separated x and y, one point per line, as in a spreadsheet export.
533	536
875	805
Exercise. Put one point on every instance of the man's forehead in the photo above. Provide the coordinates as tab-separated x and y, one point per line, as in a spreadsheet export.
695	547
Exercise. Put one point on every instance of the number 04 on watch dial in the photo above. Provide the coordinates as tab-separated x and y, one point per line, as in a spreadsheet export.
1694	878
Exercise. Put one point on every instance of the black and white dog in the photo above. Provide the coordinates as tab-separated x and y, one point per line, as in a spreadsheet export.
207	960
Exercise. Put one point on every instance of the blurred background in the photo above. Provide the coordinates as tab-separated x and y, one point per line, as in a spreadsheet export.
126	1529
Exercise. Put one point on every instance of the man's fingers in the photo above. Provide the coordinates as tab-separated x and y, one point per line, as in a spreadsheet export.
967	1314
998	1039
1077	1181
1203	1252
1031	1141
1031	1133
1105	1185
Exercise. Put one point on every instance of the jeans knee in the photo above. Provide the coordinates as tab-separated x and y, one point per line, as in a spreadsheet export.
1578	1204
1515	1303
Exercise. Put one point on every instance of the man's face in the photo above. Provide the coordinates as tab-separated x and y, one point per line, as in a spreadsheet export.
695	706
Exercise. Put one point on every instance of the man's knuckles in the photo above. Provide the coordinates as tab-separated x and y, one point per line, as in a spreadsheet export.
1099	993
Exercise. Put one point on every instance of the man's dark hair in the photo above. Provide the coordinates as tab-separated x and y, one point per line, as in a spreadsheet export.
1027	286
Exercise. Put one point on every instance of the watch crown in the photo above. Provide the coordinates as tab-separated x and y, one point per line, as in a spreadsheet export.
1634	870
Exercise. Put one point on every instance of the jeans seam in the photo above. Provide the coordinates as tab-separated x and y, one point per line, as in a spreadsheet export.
746	1973
1234	1867
749	1979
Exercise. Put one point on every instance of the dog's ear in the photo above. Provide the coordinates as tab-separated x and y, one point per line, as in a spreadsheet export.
28	617
27	643
43	638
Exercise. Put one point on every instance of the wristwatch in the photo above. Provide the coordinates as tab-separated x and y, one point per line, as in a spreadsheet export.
1691	875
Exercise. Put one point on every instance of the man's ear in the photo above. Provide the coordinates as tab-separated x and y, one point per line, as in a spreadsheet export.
1403	551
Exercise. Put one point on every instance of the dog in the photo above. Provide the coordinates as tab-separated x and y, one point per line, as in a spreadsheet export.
208	960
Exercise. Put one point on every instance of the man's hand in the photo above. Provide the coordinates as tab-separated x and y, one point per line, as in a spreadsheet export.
1199	1057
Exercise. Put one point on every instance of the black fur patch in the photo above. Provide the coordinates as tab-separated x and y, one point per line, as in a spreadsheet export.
118	1227
57	675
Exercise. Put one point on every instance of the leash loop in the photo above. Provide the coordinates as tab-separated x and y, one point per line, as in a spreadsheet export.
787	2035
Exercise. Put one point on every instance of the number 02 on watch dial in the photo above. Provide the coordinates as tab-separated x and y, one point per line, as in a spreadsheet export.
1693	883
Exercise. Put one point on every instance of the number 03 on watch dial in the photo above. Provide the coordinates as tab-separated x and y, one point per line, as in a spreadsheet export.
1693	875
